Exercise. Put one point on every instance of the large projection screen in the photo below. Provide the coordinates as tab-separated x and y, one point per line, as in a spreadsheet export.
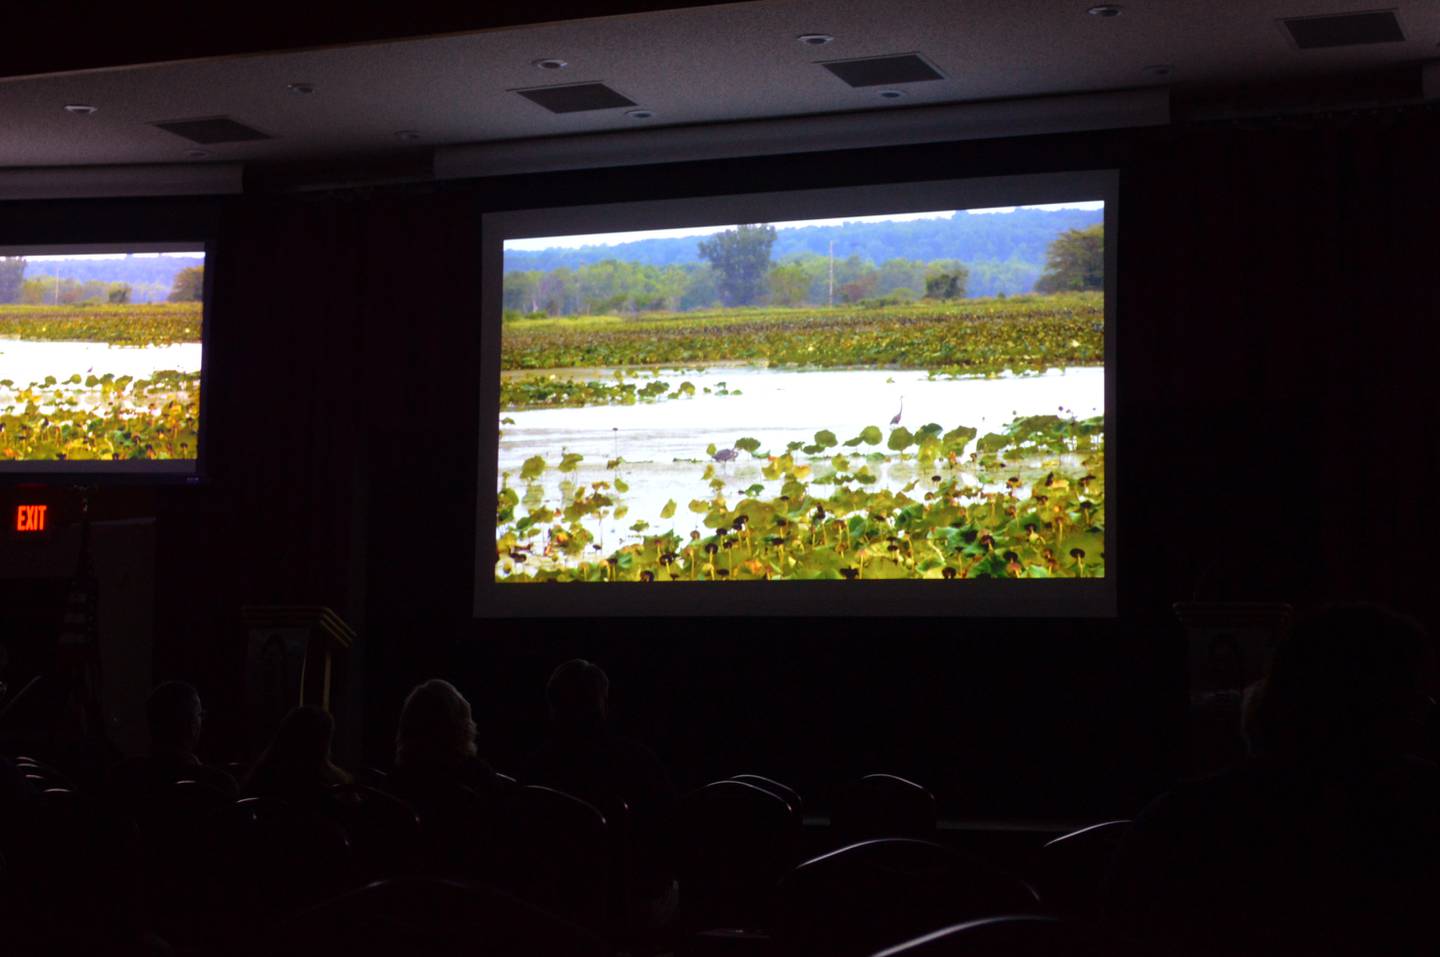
880	400
102	361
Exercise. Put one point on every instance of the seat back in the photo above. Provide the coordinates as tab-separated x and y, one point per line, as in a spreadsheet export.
883	805
867	896
736	841
384	831
555	851
1023	935
786	793
171	820
1070	871
430	916
42	775
457	829
278	857
77	868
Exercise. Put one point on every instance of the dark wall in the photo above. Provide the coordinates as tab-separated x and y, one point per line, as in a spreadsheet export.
1275	439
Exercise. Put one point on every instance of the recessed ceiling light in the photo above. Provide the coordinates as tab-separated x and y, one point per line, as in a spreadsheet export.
197	154
407	136
1106	10
80	109
550	63
815	39
891	94
1159	70
640	114
301	89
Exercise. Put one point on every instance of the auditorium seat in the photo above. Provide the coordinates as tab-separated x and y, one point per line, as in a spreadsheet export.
1070	871
77	872
42	775
372	777
432	917
1024	935
384	831
556	851
272	859
883	805
170	821
736	840
786	793
457	830
864	897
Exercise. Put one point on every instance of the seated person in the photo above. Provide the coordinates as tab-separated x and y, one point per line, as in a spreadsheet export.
437	771
1327	841
297	765
175	717
435	743
585	759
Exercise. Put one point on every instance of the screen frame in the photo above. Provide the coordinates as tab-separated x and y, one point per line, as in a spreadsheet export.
98	473
981	598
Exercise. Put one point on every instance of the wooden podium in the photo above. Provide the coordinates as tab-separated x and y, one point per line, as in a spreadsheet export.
292	654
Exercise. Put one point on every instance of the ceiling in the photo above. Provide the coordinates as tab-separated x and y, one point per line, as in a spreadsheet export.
693	65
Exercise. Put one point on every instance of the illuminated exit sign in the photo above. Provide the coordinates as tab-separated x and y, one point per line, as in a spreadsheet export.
31	519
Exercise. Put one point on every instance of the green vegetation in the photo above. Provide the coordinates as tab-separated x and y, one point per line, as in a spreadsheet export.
1004	254
1074	261
741	260
1043	520
969	336
189	285
118	324
101	417
541	392
736	268
89	416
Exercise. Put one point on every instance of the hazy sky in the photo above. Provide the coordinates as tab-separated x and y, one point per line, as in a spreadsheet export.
198	254
611	239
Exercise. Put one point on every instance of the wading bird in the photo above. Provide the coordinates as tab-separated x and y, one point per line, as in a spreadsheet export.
896	420
726	455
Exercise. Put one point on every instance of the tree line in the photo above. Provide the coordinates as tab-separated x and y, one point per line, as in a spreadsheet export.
188	286
1018	237
736	269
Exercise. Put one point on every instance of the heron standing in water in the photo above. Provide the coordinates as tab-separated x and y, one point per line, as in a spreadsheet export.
896	420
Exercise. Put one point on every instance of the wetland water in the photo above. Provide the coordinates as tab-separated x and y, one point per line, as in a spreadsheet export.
26	362
663	443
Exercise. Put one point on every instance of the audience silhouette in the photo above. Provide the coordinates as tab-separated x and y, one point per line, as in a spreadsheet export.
1327	841
297	764
435	743
439	773
175	717
621	777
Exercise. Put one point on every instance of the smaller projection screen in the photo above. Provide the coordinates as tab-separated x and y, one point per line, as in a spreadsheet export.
101	361
880	400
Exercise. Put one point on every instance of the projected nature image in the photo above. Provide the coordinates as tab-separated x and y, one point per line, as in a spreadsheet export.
100	358
885	397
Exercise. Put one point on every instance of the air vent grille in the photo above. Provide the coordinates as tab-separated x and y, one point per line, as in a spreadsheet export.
576	97
1345	30
884	70
213	129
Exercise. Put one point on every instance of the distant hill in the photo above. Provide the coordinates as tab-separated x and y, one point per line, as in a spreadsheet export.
150	277
1018	237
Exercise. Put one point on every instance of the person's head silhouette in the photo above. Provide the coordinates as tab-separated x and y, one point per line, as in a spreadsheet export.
175	715
578	694
436	726
1350	681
